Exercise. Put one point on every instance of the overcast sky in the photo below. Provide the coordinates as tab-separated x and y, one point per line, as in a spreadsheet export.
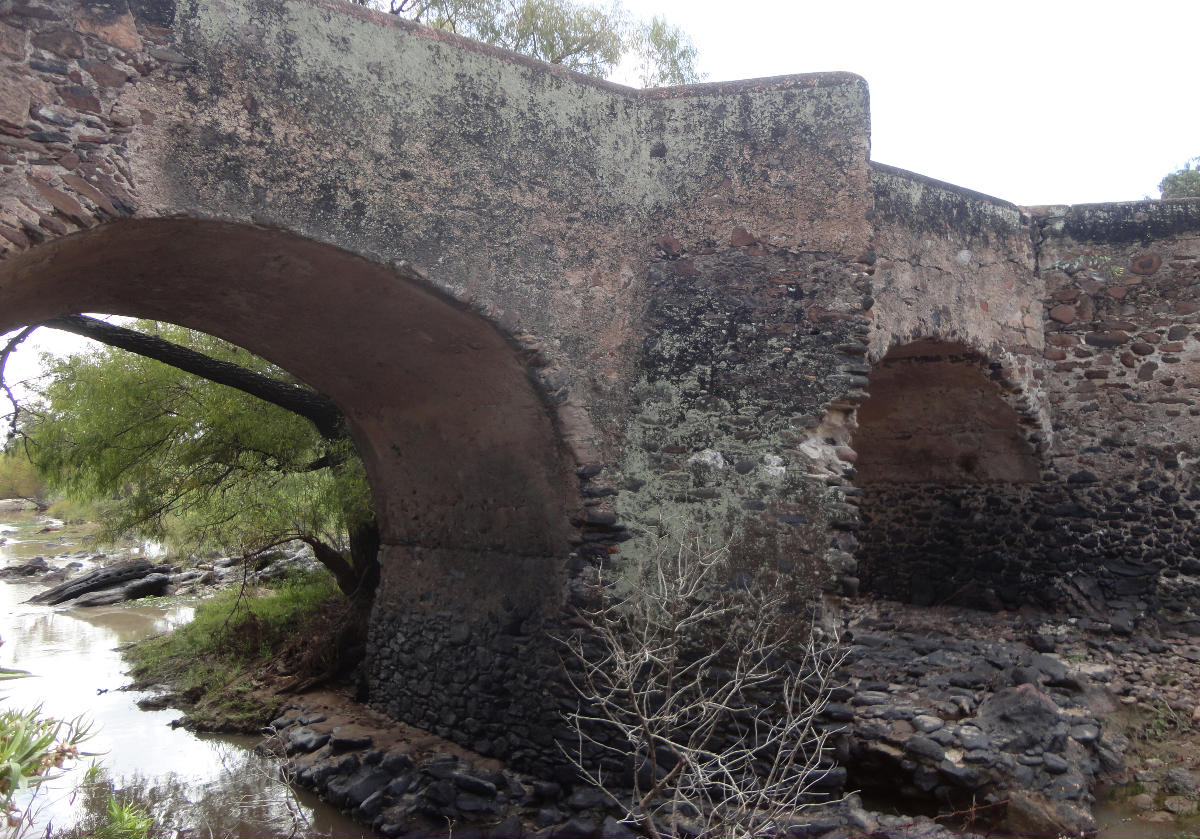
1035	102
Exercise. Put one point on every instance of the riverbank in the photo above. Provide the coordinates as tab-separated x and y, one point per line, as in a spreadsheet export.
991	721
248	646
935	705
192	784
1021	723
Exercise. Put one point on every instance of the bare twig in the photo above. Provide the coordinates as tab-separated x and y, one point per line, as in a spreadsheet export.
695	688
8	350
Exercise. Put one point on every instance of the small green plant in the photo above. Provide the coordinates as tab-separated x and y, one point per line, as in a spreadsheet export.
1090	261
32	746
126	820
1164	723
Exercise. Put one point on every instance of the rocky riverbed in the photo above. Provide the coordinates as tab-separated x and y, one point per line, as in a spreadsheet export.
950	721
947	720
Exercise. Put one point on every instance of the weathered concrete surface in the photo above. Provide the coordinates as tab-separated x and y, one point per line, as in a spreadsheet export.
559	313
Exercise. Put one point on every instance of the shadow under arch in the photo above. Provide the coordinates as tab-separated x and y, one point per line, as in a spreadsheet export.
946	465
472	485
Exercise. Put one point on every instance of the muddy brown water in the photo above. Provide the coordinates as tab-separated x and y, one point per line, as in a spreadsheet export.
195	785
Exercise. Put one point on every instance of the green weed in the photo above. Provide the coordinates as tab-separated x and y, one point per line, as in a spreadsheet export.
125	821
207	661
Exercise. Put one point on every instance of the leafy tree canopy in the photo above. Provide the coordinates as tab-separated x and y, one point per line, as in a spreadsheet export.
1184	183
179	458
583	37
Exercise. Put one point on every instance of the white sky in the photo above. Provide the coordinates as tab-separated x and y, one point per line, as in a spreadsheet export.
1045	102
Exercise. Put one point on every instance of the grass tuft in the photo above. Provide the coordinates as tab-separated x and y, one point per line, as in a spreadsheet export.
209	663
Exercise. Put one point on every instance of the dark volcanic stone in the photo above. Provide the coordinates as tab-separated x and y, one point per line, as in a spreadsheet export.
964	776
346	744
357	788
474	785
576	828
924	747
470	803
1055	763
305	740
585	798
396	762
509	827
613	829
1021	717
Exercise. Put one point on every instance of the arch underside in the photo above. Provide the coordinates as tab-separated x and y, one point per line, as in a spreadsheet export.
460	448
948	474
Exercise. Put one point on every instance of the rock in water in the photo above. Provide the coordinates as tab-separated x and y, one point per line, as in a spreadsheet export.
148	586
1033	816
98	580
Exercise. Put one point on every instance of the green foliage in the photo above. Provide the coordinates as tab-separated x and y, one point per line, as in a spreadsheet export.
235	627
1162	724
31	747
111	813
1183	183
19	478
208	659
665	55
173	457
74	511
583	37
125	821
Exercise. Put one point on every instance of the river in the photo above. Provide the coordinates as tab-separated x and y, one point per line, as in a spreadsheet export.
195	785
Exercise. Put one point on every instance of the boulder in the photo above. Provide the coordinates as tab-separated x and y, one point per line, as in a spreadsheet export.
152	585
102	578
1034	817
37	565
1021	717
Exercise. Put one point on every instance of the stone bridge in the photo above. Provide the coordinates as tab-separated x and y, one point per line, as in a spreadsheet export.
558	312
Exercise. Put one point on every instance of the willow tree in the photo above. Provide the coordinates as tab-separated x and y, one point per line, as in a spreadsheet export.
188	439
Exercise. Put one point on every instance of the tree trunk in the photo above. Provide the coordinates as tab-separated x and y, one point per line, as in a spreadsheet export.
316	407
356	577
343	572
364	553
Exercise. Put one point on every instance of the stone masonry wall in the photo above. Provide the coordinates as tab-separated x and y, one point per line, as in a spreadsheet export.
1107	527
954	286
750	350
1123	369
642	307
329	171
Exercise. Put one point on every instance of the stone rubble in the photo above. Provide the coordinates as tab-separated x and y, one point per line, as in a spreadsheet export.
437	789
991	719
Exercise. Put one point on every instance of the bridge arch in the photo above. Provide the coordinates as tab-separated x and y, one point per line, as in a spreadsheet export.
947	458
473	487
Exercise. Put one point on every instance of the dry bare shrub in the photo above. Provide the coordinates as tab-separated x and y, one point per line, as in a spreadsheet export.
699	704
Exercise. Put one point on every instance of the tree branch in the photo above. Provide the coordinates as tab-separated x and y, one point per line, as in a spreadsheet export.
316	407
12	344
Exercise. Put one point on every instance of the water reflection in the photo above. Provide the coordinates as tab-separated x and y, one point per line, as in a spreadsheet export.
194	785
244	800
